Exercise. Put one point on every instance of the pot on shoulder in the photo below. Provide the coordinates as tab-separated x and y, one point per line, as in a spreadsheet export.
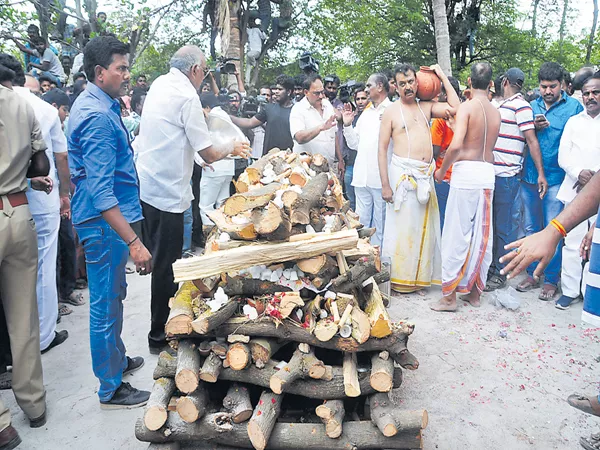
430	85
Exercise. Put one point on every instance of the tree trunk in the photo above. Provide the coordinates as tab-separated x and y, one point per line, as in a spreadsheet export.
310	198
235	49
590	45
263	419
332	414
561	30
442	36
212	319
382	372
262	350
238	356
193	406
237	402
211	368
181	314
188	367
155	415
536	3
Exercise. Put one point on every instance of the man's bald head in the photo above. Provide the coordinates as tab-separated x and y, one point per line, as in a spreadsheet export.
481	75
32	84
191	62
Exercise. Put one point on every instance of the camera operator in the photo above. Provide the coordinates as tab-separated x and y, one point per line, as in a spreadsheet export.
275	115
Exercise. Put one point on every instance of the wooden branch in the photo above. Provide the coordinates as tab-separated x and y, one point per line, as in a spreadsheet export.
332	414
263	419
329	387
381	323
391	420
272	223
238	356
242	231
360	272
301	365
254	198
325	330
188	367
237	403
319	163
248	287
263	349
211	368
212	319
193	406
361	326
181	314
155	414
252	255
288	302
351	384
312	265
310	198
382	372
218	429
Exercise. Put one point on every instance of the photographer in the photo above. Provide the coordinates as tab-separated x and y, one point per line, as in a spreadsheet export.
275	115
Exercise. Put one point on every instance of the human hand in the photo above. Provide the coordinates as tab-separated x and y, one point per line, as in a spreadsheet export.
542	186
241	149
586	243
438	70
43	184
341	169
348	117
387	194
208	166
65	207
451	122
537	247
329	123
540	122
439	176
585	176
141	257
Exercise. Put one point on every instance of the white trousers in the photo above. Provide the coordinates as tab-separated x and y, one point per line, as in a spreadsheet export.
213	192
370	207
572	276
47	226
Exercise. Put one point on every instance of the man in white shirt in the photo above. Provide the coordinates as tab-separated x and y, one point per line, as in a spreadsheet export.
172	130
579	157
313	122
370	205
45	207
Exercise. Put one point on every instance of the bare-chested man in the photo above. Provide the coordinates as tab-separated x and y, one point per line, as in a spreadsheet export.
467	239
412	238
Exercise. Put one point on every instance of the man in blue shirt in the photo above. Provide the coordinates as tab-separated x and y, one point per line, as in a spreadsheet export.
551	112
105	203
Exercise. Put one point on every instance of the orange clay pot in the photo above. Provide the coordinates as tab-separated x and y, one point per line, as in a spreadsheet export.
430	85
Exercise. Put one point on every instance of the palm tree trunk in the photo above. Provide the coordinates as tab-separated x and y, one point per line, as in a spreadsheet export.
534	18
561	31
442	36
588	55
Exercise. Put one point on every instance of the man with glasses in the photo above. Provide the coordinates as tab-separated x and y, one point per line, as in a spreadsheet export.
313	122
172	130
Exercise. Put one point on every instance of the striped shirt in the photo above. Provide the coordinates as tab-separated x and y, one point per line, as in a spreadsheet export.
517	117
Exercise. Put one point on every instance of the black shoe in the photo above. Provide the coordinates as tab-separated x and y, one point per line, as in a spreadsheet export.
9	438
133	364
39	422
5	381
126	397
59	338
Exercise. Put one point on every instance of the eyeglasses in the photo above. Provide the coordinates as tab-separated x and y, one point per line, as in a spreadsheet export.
317	93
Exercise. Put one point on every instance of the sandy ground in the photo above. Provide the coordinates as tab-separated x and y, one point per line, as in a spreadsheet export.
490	378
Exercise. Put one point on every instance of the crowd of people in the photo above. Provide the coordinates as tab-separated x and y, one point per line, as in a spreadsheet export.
127	172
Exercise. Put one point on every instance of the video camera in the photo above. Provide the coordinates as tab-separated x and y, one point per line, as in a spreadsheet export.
251	105
225	66
308	64
348	89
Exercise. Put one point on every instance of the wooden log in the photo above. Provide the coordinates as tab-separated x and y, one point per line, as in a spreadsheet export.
233	338
312	265
212	319
382	372
381	414
351	383
317	221
237	403
288	302
403	357
219	348
155	414
325	330
301	365
332	414
263	419
247	256
299	177
366	232
188	367
218	429
182	314
211	368
242	231
272	223
310	198
288	198
165	446
286	330
360	272
249	287
263	349
255	170
238	356
331	386
328	272
361	327
254	198
319	163
381	323
193	406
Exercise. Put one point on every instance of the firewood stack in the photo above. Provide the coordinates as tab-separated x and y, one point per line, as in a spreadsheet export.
280	332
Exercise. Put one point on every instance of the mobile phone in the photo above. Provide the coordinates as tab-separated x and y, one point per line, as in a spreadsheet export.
540	117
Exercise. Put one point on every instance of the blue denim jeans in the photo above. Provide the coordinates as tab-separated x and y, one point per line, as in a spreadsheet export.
105	256
53	78
442	190
537	215
188	221
507	214
348	174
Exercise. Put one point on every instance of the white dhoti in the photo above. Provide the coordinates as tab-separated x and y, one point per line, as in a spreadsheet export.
573	274
467	239
412	226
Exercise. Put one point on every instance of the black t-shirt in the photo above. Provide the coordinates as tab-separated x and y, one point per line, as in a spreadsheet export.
277	132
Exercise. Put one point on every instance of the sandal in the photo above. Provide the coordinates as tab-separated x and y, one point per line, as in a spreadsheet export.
129	270
528	284
81	283
5	381
75	299
64	310
494	282
591	443
548	292
588	405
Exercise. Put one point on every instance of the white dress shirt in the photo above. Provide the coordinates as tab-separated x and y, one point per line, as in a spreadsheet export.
304	117
172	130
225	166
364	138
579	150
47	116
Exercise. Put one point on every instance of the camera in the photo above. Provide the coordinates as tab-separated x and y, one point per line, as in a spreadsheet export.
225	66
308	64
250	107
348	89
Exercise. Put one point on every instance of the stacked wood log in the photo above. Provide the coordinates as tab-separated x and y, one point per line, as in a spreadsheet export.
282	336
